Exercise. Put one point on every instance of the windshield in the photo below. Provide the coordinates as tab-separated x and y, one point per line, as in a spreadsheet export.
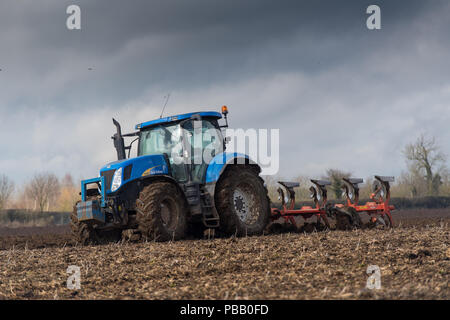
160	140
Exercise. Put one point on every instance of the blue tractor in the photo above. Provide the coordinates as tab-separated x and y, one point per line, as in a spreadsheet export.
182	182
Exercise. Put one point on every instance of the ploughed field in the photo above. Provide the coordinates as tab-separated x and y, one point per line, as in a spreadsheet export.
413	259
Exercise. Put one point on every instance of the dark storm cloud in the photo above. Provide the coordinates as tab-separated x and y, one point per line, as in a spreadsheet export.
136	44
343	96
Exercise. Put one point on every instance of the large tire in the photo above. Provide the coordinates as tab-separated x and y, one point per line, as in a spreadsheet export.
242	202
161	212
85	234
82	233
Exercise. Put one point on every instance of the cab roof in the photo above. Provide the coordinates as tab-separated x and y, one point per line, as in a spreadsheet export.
210	114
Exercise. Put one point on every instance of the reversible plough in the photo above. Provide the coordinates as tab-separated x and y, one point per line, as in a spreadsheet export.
346	215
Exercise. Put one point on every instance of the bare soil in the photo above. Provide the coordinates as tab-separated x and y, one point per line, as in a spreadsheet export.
414	260
35	237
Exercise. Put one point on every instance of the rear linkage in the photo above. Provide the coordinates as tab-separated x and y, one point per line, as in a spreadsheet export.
347	215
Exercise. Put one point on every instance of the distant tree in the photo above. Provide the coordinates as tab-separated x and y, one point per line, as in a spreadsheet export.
43	189
68	194
6	190
67	181
366	189
425	158
302	192
445	187
335	176
272	185
410	183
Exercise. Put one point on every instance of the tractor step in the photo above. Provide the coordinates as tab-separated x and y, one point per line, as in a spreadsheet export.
210	217
192	192
200	203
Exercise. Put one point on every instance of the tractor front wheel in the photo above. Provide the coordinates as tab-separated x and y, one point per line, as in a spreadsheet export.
161	212
242	202
82	233
85	233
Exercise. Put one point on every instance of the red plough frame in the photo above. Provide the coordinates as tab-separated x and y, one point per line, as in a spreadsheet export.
378	208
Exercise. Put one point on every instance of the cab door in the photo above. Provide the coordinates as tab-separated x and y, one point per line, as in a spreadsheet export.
203	140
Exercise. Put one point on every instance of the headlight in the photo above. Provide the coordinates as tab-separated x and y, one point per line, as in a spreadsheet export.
117	180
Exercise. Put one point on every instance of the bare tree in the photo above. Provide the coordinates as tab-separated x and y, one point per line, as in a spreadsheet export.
366	189
43	189
425	157
68	195
67	181
410	183
6	189
302	192
335	176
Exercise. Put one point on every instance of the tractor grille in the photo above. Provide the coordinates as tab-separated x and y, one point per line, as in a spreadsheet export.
108	177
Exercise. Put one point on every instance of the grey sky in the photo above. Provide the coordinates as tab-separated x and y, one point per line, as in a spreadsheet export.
343	96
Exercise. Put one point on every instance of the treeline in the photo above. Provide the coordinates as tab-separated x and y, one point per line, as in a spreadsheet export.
44	192
13	217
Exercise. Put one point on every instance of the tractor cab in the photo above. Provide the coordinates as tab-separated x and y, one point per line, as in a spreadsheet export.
188	141
180	147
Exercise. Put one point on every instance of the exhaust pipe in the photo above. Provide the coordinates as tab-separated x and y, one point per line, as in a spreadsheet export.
119	143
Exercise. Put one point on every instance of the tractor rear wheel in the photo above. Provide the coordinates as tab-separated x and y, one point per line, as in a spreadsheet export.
161	212
242	202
